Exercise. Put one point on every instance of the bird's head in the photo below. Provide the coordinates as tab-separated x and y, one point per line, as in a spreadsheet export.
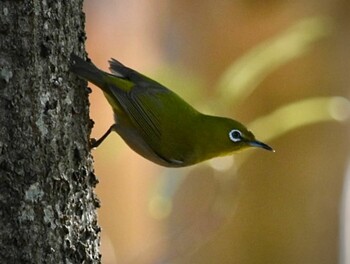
230	136
241	137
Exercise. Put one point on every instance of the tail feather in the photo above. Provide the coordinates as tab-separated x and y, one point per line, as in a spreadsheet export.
87	71
121	71
118	69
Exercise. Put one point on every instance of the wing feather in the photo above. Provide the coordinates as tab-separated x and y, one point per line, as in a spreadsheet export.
143	107
150	113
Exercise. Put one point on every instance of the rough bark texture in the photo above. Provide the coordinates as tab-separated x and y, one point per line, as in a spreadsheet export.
47	202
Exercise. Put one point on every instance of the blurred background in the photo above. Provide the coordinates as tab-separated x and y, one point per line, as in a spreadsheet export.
281	68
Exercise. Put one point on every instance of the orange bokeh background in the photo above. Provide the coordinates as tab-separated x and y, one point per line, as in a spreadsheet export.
278	208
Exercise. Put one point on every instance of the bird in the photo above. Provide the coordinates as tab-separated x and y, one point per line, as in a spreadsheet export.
157	123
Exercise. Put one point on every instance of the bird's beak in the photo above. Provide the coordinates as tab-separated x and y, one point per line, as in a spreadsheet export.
260	144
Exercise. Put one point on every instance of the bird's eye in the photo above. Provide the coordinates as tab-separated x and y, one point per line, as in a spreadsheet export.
235	135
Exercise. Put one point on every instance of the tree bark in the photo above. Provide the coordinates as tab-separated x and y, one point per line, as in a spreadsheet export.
47	200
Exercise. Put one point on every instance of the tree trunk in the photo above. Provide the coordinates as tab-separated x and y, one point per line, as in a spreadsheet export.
47	201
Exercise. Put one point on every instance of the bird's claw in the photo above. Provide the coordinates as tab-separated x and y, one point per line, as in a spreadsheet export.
93	143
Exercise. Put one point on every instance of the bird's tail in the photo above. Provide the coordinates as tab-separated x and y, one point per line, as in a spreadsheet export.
87	71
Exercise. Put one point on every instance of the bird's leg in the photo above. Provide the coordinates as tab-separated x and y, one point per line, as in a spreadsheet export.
95	143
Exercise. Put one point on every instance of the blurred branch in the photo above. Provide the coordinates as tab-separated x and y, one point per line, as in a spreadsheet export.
299	114
245	74
296	115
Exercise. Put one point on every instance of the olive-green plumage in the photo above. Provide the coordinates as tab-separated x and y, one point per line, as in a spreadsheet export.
159	125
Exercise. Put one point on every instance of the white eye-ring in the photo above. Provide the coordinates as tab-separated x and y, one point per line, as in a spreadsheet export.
235	135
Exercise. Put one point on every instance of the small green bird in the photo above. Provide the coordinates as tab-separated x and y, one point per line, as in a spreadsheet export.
159	125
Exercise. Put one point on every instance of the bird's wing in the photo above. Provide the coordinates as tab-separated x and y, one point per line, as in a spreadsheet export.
143	101
146	103
143	105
